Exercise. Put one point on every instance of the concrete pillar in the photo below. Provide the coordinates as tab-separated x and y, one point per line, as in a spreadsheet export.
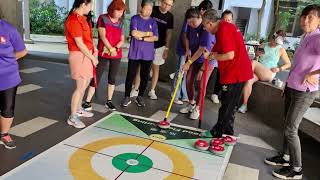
26	21
12	12
178	11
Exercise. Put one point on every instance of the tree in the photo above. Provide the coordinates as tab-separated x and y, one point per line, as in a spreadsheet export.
46	17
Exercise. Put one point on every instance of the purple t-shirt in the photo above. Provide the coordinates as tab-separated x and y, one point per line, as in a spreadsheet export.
10	42
306	60
200	37
142	50
180	50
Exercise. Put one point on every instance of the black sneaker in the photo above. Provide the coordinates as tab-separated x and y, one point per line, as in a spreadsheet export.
126	101
277	161
287	173
87	106
7	142
140	102
110	106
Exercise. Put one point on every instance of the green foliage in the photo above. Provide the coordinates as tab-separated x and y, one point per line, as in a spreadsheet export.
46	18
285	17
249	37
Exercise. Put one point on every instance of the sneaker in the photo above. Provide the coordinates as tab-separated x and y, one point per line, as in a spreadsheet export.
110	106
243	108
276	161
195	113
139	101
87	106
152	95
75	122
177	101
134	93
126	101
215	99
83	113
287	173
7	142
185	100
187	109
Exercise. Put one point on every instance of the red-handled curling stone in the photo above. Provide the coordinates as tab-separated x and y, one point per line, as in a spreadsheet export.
217	142
217	149
164	124
230	141
202	145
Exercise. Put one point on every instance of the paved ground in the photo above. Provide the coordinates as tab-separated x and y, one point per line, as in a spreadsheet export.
43	106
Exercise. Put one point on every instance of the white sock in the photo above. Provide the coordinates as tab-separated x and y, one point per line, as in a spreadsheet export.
286	157
297	169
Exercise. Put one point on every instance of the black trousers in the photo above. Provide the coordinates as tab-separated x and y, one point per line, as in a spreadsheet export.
102	67
131	73
7	102
214	86
230	97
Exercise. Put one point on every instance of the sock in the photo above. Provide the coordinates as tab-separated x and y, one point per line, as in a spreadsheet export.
109	100
286	157
297	169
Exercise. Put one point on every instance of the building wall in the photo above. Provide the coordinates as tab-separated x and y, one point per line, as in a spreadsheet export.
253	22
12	12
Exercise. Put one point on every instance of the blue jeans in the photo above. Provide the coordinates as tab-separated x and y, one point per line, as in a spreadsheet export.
182	90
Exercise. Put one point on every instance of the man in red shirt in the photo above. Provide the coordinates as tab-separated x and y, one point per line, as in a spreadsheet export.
234	67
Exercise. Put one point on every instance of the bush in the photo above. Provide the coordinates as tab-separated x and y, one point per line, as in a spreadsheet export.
46	18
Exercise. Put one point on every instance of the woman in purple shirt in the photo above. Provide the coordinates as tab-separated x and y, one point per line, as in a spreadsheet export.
12	48
144	32
300	92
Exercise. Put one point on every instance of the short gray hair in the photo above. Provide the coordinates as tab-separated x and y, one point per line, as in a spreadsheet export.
210	15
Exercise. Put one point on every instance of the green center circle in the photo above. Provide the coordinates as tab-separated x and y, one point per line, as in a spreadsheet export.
132	162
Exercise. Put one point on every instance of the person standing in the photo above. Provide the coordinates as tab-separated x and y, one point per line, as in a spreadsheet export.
199	40
82	60
234	68
183	52
144	32
12	48
165	23
301	90
111	40
227	16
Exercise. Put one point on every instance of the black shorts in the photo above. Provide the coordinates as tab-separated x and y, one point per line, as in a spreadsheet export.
7	102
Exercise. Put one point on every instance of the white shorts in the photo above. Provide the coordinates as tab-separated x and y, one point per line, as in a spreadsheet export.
273	75
158	60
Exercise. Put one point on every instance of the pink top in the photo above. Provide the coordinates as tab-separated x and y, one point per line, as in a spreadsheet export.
306	60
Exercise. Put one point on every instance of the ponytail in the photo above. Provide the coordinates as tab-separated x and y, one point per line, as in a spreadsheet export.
77	4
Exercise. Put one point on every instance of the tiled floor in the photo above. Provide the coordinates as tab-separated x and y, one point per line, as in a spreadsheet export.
46	103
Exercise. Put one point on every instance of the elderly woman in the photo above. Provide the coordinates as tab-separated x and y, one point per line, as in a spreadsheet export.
267	67
300	92
12	48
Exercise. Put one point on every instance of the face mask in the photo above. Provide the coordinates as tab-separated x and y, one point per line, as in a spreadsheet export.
279	40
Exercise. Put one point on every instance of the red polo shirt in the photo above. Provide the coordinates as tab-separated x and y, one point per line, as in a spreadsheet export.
238	69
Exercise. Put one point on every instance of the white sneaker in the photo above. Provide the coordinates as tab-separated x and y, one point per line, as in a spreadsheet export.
177	101
215	99
243	108
82	113
187	109
195	113
134	93
75	122
152	95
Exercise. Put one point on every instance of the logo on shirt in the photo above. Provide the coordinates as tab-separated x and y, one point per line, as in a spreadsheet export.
224	88
2	40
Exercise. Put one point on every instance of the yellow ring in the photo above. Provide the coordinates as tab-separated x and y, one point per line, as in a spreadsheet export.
80	161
